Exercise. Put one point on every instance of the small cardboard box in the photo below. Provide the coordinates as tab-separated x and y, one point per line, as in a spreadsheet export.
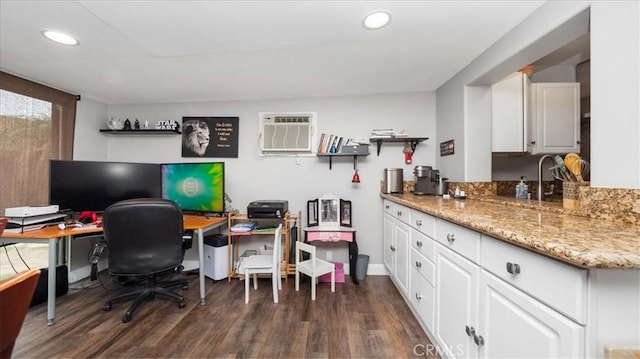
326	278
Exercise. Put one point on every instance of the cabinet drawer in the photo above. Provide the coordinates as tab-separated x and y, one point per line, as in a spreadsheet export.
423	244
423	299
423	222
398	211
423	266
559	285
389	207
464	241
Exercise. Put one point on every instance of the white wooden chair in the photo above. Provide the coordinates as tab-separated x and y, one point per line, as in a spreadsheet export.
313	267
264	264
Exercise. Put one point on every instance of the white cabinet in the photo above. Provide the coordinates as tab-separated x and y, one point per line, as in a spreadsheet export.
514	325
534	117
456	303
478	296
396	244
509	114
555	118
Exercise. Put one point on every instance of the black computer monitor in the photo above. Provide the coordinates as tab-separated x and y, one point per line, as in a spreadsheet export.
195	187
93	186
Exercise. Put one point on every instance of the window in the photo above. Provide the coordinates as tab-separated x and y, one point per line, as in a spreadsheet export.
36	125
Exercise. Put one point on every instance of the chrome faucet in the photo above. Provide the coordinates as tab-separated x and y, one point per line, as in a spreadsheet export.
541	193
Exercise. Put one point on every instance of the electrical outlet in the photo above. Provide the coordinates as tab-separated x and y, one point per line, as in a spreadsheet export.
329	255
636	206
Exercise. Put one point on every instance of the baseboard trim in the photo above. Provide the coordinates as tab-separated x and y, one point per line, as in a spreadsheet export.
84	272
372	269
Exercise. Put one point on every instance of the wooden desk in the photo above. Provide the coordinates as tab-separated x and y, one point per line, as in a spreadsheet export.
338	234
52	234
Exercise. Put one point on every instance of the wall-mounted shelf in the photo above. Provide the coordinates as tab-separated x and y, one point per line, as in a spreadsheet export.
151	132
413	141
331	155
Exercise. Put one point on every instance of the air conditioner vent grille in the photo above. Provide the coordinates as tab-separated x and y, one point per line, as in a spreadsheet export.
287	132
292	119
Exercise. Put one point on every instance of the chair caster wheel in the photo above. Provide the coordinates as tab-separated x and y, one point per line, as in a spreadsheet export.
182	304
185	287
107	307
126	318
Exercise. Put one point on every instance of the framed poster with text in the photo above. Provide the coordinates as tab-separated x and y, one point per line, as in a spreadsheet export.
210	136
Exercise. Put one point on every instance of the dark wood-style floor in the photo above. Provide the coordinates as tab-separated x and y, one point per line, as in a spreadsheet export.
370	320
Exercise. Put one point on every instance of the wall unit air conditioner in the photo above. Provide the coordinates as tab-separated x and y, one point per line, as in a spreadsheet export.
287	132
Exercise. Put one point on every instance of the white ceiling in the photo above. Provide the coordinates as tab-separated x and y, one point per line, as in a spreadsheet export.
175	51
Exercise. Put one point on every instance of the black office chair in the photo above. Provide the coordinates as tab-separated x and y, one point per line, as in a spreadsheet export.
144	239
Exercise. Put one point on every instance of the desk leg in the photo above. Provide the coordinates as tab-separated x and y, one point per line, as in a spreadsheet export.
200	236
353	259
51	288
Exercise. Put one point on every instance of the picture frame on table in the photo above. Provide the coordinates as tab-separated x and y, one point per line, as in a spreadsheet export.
345	213
312	213
329	208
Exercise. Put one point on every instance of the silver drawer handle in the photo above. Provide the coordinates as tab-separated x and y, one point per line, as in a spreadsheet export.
418	264
418	296
419	244
418	222
399	213
470	331
513	268
478	339
451	237
386	207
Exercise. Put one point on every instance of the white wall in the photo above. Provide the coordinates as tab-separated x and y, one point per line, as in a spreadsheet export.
615	94
90	115
250	177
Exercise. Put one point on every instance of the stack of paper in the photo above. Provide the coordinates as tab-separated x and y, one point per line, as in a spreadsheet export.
243	227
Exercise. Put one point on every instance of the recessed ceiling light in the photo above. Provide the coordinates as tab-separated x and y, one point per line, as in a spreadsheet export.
59	37
376	19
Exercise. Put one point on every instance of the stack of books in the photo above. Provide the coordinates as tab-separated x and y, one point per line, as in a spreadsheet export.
331	143
386	133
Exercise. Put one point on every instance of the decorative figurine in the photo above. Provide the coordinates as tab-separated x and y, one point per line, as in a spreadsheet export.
146	124
127	124
136	124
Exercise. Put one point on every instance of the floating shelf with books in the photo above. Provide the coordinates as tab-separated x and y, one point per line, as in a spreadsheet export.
413	141
336	146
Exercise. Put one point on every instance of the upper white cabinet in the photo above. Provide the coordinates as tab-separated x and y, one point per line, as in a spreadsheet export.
535	117
509	114
555	117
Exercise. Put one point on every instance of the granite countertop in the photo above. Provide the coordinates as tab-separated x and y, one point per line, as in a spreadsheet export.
581	241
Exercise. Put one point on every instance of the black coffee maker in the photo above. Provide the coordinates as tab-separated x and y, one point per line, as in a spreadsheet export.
428	181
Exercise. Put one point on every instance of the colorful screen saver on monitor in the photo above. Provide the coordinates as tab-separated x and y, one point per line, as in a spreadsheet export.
195	187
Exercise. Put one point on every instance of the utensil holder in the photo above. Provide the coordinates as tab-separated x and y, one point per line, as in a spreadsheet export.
571	194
